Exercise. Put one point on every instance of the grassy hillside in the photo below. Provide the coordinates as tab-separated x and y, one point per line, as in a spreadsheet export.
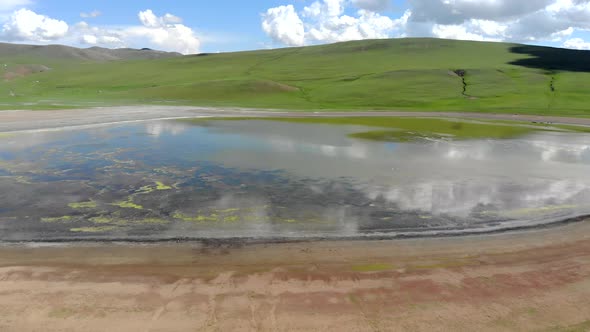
59	53
401	74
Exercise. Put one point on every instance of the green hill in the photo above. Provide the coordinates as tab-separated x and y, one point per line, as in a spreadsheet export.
395	74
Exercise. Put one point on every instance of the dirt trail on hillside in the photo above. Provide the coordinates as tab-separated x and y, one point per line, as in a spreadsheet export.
44	120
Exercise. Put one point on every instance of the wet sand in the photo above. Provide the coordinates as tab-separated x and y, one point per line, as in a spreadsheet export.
22	120
525	281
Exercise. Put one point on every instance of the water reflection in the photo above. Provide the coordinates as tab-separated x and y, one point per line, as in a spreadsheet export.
166	179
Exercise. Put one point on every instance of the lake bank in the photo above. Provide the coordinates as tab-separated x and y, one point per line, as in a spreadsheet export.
534	280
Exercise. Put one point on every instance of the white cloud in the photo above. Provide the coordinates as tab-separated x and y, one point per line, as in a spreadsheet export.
577	44
149	19
89	39
517	21
88	35
460	32
162	33
9	5
165	32
92	14
171	19
284	26
27	26
372	5
326	21
457	11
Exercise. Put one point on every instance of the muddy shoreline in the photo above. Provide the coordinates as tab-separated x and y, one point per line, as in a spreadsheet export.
524	281
246	241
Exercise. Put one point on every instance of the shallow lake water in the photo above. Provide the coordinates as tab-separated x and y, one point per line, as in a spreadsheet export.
259	179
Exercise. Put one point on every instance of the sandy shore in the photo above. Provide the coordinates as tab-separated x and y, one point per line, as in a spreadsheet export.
526	281
48	120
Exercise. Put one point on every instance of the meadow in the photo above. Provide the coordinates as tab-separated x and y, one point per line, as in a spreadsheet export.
395	74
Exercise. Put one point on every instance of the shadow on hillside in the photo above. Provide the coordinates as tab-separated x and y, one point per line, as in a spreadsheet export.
551	59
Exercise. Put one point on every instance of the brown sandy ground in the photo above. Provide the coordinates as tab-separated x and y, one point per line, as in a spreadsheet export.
44	120
528	281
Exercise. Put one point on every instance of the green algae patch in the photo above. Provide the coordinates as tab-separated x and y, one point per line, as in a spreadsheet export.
57	219
405	129
162	186
199	218
128	204
83	205
379	267
231	219
216	216
228	210
6	135
152	188
101	229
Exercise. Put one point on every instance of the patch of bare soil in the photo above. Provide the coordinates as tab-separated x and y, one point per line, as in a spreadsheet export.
23	70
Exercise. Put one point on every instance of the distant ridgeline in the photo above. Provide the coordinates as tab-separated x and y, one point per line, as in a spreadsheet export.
396	74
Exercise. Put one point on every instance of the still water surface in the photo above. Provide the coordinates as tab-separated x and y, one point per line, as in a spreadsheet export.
260	179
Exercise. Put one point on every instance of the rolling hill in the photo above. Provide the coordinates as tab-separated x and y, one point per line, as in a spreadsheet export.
60	52
396	74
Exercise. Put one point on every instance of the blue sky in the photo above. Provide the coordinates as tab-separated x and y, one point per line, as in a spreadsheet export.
231	25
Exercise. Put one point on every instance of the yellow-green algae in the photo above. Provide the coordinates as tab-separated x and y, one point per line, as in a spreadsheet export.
220	215
151	188
407	129
83	205
101	229
228	210
126	222
57	219
162	186
231	219
128	204
151	221
199	218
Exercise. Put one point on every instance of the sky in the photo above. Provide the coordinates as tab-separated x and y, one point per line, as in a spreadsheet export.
193	26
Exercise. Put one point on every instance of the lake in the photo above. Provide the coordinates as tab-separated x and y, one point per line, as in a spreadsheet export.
267	180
